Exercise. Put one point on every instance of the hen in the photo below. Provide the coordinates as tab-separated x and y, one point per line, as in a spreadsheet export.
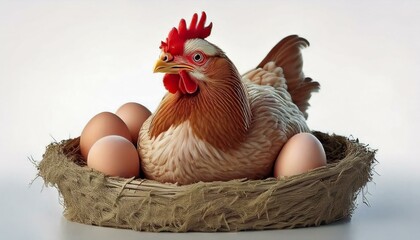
214	124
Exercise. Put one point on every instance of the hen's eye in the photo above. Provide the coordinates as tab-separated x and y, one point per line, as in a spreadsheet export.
198	57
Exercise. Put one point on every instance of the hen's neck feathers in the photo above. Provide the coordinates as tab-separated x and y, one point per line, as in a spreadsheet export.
219	113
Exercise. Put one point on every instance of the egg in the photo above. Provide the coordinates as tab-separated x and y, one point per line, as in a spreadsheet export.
134	115
301	153
101	125
114	156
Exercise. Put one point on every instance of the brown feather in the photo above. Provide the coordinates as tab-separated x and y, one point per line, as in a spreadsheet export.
172	111
287	55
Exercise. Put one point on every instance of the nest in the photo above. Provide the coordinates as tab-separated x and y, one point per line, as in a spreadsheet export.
317	197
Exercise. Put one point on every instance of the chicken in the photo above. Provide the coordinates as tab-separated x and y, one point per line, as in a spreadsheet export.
214	124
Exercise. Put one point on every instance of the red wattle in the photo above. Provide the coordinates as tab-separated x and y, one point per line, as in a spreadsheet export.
190	85
171	82
181	86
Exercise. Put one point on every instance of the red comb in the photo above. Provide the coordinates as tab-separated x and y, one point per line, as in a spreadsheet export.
176	38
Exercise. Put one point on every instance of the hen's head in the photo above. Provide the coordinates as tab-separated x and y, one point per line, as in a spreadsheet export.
188	60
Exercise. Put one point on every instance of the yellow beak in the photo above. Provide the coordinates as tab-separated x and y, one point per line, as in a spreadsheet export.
171	67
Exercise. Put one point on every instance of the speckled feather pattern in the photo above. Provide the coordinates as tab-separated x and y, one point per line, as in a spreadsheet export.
177	155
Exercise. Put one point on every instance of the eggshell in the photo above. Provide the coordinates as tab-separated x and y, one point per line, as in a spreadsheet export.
114	156
134	115
300	153
101	125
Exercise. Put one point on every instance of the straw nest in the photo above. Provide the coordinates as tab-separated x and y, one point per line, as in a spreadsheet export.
320	196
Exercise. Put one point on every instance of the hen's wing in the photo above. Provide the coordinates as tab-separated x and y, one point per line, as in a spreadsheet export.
287	55
269	74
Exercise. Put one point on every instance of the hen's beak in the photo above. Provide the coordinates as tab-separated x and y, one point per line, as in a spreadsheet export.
171	67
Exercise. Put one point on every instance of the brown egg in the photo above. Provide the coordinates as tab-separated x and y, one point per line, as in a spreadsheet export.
134	115
300	153
114	156
101	125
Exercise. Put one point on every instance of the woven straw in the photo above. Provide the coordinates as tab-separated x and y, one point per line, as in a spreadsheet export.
320	196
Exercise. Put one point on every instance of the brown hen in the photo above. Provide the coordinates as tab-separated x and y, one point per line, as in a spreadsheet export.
214	124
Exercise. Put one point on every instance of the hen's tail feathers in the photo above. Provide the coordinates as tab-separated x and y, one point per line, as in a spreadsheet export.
287	55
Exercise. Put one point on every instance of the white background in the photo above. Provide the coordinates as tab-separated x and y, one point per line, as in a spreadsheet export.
61	62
